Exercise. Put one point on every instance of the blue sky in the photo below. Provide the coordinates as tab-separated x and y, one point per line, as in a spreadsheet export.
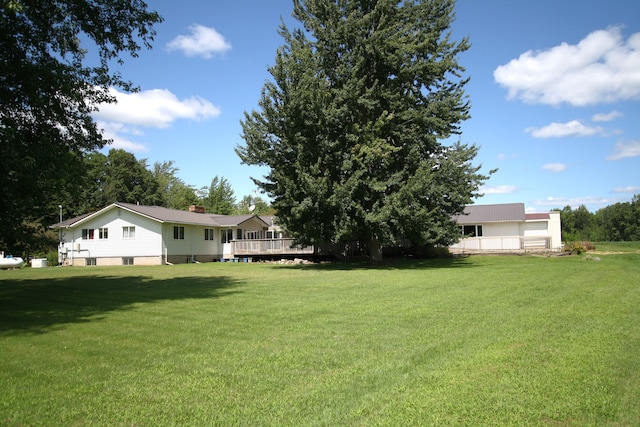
555	94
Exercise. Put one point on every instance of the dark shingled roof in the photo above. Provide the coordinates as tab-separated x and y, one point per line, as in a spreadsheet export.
161	214
537	216
478	214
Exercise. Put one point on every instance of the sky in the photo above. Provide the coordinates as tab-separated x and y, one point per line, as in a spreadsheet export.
554	91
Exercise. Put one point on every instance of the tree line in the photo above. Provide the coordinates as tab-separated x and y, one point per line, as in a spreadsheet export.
614	223
120	177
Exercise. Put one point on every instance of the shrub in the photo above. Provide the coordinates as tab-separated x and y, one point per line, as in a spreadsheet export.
431	251
52	257
588	246
579	247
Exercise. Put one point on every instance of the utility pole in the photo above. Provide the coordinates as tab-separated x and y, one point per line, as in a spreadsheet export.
60	237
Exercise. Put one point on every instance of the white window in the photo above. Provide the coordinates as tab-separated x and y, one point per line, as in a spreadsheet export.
252	235
87	233
178	233
208	234
471	230
103	233
128	232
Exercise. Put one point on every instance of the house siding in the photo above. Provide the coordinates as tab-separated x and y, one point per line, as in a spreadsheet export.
193	247
500	229
537	228
555	230
146	243
530	232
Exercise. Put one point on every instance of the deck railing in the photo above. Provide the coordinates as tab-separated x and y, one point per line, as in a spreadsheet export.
269	247
503	244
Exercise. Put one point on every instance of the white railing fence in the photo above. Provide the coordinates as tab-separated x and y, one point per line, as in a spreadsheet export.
503	244
268	247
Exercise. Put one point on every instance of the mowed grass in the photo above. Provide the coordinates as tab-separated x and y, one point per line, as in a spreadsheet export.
617	247
485	340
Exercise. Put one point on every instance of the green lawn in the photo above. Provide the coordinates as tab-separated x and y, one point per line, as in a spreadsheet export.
486	340
617	247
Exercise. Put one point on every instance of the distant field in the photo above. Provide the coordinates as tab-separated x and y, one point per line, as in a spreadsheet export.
485	340
617	247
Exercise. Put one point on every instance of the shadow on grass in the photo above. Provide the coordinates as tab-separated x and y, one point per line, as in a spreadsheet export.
391	264
38	306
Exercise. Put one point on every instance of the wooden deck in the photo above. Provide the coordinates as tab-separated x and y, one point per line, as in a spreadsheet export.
268	247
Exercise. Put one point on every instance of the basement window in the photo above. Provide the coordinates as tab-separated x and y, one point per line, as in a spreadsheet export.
128	260
90	261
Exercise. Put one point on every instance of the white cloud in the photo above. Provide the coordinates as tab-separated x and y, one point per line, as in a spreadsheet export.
505	156
625	150
116	132
630	190
156	108
600	68
555	167
498	189
589	201
607	117
203	41
559	130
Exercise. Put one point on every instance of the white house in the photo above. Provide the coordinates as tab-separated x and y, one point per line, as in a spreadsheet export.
507	228
125	234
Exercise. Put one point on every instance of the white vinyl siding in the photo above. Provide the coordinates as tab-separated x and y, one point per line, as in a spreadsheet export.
147	240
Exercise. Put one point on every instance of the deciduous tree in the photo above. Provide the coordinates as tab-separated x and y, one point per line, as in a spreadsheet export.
175	194
355	122
620	221
253	205
220	197
117	177
48	89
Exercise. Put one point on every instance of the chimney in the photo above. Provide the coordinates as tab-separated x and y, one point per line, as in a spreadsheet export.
196	209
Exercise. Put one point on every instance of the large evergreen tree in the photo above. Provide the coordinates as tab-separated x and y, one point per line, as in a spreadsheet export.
48	90
354	123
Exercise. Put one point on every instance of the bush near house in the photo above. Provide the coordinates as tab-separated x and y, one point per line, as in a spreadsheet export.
579	247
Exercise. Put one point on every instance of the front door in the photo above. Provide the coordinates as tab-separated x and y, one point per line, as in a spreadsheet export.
227	250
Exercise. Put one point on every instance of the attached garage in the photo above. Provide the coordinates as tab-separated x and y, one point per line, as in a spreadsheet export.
507	228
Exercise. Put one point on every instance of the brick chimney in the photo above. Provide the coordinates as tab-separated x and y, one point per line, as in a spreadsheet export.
196	209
